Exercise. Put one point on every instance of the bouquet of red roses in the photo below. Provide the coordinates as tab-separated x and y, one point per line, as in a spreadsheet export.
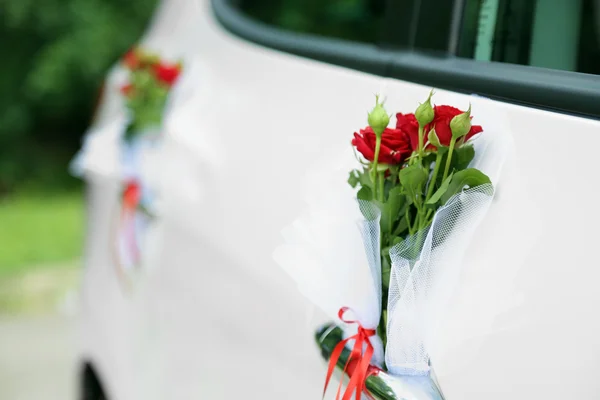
150	80
421	190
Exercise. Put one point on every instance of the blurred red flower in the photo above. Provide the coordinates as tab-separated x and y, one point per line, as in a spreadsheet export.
167	73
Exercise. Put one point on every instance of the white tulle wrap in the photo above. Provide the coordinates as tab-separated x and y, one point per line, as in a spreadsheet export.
420	285
332	252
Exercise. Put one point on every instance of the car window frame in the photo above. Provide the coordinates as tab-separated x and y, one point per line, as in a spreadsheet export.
560	91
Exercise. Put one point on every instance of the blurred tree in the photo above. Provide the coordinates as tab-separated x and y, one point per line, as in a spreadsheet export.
55	54
357	20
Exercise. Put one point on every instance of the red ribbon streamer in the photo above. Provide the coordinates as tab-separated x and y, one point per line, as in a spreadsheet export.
130	202
358	365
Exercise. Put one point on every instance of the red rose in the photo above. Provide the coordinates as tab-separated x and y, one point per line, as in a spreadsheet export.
167	73
131	60
395	145
441	122
408	124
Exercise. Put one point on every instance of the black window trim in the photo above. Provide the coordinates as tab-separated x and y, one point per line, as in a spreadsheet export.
561	91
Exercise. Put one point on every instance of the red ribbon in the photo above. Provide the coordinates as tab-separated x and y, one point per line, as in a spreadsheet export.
130	202
358	365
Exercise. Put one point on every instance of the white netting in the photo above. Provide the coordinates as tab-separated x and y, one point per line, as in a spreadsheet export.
335	262
420	283
371	234
426	267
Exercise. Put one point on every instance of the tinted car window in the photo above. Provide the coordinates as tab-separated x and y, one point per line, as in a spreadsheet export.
356	20
557	34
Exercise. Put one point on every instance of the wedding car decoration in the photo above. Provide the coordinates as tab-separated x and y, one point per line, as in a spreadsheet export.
145	93
381	253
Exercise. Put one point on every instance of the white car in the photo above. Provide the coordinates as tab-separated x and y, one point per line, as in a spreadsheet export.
210	314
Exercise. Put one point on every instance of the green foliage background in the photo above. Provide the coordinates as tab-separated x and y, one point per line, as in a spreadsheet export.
358	20
55	54
54	57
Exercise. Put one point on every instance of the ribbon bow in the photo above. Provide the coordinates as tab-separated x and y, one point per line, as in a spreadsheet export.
131	200
358	365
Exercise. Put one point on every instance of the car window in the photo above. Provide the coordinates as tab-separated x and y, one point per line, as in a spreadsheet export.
356	20
536	45
556	34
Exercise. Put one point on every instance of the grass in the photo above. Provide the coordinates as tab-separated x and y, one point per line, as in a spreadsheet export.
40	229
39	290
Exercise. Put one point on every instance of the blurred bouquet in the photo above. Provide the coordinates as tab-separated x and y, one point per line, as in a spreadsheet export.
150	81
418	196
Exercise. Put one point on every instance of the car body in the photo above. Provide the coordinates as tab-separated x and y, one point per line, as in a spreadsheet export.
213	316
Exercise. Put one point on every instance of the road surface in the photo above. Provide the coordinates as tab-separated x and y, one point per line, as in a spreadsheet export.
36	358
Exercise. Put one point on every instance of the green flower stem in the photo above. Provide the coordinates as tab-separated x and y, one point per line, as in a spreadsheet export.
436	170
418	219
421	139
449	160
418	244
428	216
381	188
374	165
422	210
378	186
382	328
407	216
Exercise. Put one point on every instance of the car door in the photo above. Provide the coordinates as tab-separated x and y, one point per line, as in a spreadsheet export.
219	319
521	322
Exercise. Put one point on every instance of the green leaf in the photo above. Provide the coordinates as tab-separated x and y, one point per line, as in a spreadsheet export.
386	217
470	177
402	226
387	186
390	210
353	179
413	179
434	140
440	192
365	178
462	157
365	193
396	201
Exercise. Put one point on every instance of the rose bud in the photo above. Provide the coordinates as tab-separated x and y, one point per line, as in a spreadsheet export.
461	124
378	118
424	113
